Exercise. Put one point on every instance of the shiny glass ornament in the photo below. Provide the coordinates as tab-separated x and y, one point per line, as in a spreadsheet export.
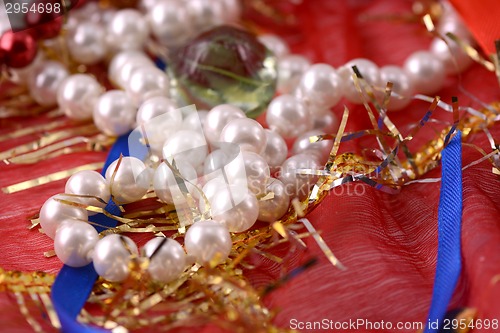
224	65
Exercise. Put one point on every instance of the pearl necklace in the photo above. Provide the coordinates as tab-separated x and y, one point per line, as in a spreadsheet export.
308	92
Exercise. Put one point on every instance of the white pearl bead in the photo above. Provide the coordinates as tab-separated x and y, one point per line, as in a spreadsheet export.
273	209
112	255
290	69
167	259
185	145
426	71
368	70
153	108
210	188
257	172
77	95
147	82
114	113
86	44
217	118
208	240
89	182
215	161
54	212
321	87
74	241
131	180
454	25
402	85
205	14
237	208
169	22
275	44
276	150
194	121
321	149
159	118
127	30
288	116
245	132
453	57
165	182
124	63
298	185
44	81
327	123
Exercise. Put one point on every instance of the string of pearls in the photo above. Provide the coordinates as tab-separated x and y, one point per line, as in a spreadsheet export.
308	92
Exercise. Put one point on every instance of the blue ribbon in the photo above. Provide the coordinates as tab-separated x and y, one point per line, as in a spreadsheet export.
73	285
449	264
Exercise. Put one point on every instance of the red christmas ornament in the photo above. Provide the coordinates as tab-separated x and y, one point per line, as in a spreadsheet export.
19	48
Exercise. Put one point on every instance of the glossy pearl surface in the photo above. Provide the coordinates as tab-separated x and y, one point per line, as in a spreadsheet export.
114	113
321	149
321	87
290	69
453	57
131	180
257	172
426	71
169	22
77	95
112	255
368	69
89	182
74	241
44	81
206	240
217	118
167	259
158	106
166	186
54	212
238	209
402	85
298	185
127	30
124	63
86	44
275	151
245	132
288	116
146	82
189	146
273	209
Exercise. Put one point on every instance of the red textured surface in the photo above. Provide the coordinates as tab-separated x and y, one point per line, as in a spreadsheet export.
387	242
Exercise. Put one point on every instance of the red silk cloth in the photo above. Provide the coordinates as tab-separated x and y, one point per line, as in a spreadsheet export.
481	18
387	242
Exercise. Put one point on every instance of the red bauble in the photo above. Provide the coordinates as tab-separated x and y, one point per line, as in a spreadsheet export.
19	48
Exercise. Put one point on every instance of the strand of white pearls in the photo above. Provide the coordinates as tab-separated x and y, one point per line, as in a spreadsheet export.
310	91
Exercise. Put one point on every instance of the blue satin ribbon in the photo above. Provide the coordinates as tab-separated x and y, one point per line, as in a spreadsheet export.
73	285
449	263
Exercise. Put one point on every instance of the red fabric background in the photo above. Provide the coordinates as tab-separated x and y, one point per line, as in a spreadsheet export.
387	242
